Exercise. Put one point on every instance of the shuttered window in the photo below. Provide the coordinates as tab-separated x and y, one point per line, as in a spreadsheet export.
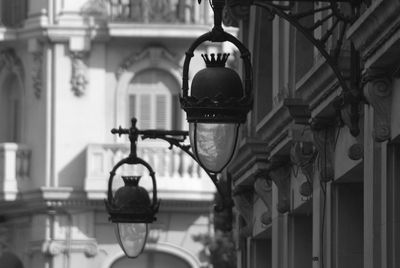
151	99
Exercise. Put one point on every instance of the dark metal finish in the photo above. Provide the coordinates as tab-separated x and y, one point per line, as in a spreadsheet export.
222	110
174	138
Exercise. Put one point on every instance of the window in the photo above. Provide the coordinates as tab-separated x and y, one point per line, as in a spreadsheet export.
10	110
153	100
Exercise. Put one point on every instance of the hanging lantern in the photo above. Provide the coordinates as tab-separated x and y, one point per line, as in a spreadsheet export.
218	103
131	210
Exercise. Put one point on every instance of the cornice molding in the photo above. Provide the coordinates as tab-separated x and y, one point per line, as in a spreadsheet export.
375	27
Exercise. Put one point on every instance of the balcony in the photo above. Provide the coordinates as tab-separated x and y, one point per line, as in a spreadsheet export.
178	176
158	11
14	169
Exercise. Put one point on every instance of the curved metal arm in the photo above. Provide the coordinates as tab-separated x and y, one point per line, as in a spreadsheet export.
173	141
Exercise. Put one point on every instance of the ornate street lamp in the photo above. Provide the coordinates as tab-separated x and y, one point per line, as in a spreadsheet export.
218	102
130	207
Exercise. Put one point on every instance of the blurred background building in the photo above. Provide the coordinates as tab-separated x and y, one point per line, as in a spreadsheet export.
69	72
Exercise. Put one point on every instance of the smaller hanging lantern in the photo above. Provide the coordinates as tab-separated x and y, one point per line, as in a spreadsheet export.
131	210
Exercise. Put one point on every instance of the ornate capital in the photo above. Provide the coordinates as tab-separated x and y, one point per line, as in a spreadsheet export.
37	70
378	92
279	173
79	78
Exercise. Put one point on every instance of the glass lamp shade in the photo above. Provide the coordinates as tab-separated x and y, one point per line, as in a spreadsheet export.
213	144
131	237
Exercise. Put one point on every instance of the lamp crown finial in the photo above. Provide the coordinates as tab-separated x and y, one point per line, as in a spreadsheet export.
215	61
131	180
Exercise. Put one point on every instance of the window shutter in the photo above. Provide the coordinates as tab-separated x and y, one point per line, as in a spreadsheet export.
145	111
132	106
161	112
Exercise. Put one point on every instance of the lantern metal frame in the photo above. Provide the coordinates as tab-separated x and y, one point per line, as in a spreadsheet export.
215	109
175	138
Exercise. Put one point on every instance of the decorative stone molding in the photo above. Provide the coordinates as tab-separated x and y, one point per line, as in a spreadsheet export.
36	48
154	54
79	78
95	8
55	247
279	173
91	249
299	111
378	92
324	140
356	151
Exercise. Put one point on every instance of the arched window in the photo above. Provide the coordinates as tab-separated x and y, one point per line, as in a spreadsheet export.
153	100
152	259
10	109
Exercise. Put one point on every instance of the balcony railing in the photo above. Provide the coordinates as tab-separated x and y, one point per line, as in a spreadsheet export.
159	11
178	176
14	169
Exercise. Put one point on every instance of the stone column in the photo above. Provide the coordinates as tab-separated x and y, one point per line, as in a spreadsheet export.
376	133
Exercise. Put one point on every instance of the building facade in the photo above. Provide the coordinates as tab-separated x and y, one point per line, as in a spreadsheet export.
321	197
70	72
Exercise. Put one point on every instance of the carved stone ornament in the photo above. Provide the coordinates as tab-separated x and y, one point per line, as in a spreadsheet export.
91	249
356	151
378	92
37	72
242	199
95	8
153	54
79	78
279	173
324	140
